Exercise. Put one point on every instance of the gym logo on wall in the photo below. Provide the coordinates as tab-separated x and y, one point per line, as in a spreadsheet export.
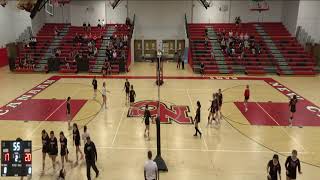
176	113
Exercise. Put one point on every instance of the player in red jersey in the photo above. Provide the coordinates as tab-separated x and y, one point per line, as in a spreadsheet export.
246	98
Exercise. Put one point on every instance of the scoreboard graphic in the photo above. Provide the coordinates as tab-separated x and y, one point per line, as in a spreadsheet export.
16	158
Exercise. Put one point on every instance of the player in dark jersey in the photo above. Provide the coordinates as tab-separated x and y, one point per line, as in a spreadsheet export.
292	163
127	89
69	112
132	95
220	102
274	168
212	110
146	118
246	97
95	87
45	147
197	119
76	140
292	104
64	149
53	149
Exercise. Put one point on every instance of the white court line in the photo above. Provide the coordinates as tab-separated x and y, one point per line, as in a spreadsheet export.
205	143
115	135
38	126
192	150
121	119
295	140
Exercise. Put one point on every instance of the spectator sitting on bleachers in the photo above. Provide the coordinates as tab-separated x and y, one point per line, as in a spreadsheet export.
114	55
206	43
56	31
238	21
84	25
201	68
99	23
89	27
57	52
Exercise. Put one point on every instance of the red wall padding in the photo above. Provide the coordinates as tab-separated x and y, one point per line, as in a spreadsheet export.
3	57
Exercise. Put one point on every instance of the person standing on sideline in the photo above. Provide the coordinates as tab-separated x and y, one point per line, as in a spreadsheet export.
220	102
95	87
69	112
64	149
146	118
45	147
132	95
274	168
197	119
150	168
104	95
127	89
292	163
246	98
76	140
292	105
53	149
182	61
85	134
91	157
178	60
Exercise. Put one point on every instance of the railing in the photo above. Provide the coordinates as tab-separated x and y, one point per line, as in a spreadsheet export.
186	24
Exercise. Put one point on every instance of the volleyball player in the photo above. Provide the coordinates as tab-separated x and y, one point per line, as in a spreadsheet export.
76	140
45	147
246	97
64	149
85	134
212	110
146	118
127	89
274	168
95	87
292	163
53	149
292	105
220	102
132	95
69	112
104	95
197	119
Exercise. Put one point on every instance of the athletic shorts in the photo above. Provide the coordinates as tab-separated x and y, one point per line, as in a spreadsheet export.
246	98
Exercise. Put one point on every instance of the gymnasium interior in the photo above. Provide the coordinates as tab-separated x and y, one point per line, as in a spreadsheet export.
175	53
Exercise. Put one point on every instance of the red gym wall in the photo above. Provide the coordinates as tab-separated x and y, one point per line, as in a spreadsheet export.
3	57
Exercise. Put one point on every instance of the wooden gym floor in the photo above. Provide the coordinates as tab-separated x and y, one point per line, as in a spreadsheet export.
237	150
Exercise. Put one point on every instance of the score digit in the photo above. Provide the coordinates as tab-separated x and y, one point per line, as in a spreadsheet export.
7	157
16	146
27	157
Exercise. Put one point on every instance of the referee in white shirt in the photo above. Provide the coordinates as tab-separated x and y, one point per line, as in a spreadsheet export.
150	168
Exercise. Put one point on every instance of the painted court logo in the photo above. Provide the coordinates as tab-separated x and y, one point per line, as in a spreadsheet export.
176	113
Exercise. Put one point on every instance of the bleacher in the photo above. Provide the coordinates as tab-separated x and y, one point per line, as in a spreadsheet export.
47	42
279	51
44	38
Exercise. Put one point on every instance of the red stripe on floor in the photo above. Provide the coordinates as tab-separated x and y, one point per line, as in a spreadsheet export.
43	109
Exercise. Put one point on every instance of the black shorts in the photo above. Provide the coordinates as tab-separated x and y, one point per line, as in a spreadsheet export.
246	98
53	152
127	91
131	99
293	110
220	104
147	123
212	110
63	152
291	174
77	142
44	149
